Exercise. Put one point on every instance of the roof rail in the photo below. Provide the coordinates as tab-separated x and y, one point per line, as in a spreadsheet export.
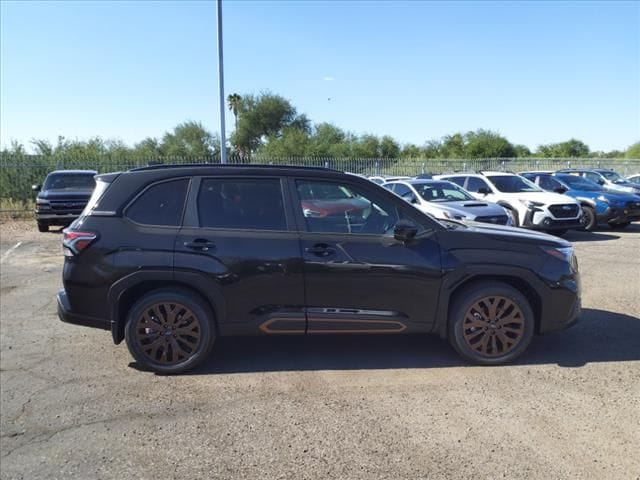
227	165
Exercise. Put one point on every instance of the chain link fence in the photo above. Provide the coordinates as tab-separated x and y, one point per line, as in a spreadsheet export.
19	172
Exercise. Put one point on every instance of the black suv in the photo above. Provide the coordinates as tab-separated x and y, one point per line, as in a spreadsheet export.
171	257
62	197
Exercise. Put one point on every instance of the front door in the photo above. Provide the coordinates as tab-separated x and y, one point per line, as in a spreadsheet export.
358	278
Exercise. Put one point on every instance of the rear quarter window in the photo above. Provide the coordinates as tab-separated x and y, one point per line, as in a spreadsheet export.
160	204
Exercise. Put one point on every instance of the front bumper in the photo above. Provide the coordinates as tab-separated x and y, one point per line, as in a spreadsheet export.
55	218
539	220
67	315
619	215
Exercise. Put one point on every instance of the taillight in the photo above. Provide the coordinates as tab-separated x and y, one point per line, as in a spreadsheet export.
74	242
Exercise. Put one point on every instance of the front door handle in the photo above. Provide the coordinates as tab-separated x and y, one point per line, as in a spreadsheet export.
200	244
321	250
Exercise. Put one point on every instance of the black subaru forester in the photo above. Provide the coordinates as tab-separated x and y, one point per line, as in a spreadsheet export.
170	257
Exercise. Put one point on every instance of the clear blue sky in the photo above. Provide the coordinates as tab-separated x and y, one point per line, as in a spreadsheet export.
536	72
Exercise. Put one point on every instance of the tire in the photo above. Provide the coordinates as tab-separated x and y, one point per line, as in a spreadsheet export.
470	323
589	221
43	227
167	341
619	226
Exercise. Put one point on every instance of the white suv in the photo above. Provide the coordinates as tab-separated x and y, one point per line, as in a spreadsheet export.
530	206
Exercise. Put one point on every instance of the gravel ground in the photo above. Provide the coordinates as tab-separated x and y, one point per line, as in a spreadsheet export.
73	405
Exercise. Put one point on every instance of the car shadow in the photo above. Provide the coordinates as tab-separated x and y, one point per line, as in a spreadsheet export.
595	236
600	336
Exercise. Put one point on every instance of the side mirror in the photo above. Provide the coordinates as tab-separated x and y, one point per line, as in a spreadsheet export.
414	200
560	190
484	191
35	188
600	181
404	230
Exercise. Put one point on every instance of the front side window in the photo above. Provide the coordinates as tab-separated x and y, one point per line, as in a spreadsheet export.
457	180
249	204
513	184
341	208
160	204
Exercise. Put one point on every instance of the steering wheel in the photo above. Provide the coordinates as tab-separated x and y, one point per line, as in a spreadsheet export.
376	223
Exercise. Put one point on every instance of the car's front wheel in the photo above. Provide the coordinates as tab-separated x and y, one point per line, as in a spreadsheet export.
170	331
43	227
589	221
490	323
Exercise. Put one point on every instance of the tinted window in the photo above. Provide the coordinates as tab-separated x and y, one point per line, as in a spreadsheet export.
160	204
442	192
547	183
475	184
252	204
579	183
457	180
512	184
611	175
401	190
354	211
69	181
594	177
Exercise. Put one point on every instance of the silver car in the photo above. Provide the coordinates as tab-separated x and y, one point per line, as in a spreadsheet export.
447	200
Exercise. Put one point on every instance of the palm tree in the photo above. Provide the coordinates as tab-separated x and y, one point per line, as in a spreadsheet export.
233	101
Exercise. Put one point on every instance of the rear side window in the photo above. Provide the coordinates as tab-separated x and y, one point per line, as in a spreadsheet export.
457	180
251	204
160	204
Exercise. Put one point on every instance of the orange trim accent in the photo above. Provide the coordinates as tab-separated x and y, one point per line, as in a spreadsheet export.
264	327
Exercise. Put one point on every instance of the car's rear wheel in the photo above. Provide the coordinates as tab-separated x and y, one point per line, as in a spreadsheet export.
589	221
490	323
619	226
43	227
170	331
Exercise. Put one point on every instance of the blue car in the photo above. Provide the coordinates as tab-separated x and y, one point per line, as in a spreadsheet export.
617	209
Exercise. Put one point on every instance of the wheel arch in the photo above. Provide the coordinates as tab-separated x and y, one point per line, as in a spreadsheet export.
526	284
124	293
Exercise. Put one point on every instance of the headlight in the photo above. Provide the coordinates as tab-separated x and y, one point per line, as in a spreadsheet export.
40	201
453	216
602	198
561	253
530	203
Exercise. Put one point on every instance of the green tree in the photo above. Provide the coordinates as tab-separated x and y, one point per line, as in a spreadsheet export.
570	149
233	101
411	151
389	148
264	116
452	146
190	139
293	142
521	151
486	144
633	151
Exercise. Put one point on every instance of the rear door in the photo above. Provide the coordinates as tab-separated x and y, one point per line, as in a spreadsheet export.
358	278
239	236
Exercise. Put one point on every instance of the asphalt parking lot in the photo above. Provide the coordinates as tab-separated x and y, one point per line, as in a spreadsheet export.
73	405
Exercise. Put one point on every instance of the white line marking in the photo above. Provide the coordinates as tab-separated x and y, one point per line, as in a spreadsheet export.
8	252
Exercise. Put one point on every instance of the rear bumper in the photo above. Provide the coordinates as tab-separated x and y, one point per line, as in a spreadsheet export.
67	315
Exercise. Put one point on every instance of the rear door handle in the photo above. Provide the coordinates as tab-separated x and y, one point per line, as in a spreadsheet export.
320	250
200	244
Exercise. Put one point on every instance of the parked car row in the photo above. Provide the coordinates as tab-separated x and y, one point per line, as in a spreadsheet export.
542	200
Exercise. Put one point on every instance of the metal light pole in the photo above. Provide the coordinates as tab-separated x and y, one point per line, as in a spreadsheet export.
223	139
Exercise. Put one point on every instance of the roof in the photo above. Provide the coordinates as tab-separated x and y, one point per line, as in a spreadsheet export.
88	172
225	166
537	172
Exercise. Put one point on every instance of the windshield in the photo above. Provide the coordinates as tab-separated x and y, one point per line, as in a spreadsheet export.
610	175
441	192
513	184
69	181
579	183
